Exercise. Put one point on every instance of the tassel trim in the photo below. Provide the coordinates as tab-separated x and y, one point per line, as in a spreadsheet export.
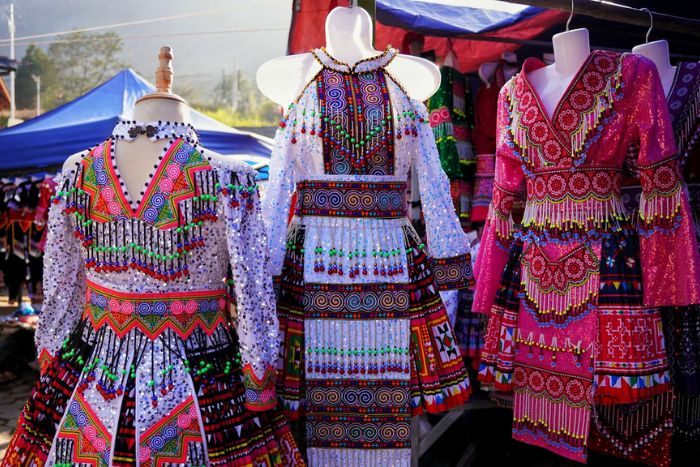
576	214
662	194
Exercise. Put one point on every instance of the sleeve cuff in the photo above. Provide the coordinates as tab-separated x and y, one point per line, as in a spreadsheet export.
259	392
453	273
45	358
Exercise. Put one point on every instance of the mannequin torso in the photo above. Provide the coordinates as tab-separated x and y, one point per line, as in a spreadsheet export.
657	52
349	40
571	49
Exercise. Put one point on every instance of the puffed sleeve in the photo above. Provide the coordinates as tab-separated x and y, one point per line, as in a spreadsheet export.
447	243
64	274
669	252
498	230
257	323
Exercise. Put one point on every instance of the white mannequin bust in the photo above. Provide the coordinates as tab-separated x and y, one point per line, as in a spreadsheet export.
658	53
488	69
348	39
136	158
571	49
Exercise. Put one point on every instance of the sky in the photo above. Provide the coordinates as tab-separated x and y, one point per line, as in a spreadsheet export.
198	58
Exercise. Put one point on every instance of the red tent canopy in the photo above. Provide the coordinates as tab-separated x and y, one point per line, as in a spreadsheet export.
307	32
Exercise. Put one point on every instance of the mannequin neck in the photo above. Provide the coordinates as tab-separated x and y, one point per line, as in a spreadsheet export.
161	108
571	49
349	34
658	53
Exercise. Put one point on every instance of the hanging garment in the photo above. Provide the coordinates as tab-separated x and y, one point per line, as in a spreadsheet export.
141	362
574	316
619	434
366	339
448	118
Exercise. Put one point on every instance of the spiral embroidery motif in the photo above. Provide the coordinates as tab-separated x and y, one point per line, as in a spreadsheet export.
351	199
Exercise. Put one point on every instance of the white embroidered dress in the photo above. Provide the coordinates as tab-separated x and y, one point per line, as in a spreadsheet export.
365	334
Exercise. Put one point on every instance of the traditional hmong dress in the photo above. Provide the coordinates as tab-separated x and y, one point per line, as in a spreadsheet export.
366	339
681	324
141	362
573	317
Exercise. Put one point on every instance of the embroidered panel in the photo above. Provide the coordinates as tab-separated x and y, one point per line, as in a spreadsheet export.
351	199
168	441
367	301
358	414
497	354
172	183
559	289
83	437
582	200
259	392
153	314
631	363
357	124
660	203
563	140
500	212
453	273
552	410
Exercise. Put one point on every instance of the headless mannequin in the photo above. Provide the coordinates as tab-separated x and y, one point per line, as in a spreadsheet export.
571	49
348	39
488	69
657	52
135	159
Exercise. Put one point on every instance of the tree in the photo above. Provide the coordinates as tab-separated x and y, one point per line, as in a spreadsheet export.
35	62
82	61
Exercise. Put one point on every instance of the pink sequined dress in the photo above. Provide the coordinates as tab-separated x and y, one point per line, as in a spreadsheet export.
142	364
366	338
572	297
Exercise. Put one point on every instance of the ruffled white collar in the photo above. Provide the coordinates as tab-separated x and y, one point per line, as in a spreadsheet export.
129	129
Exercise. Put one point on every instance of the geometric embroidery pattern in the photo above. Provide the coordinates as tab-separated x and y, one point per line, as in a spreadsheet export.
91	440
154	313
166	442
446	342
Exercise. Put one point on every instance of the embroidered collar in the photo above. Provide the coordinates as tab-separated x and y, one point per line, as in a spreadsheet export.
367	64
562	139
128	130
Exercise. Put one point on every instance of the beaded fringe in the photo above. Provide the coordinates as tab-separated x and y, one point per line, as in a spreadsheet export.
688	127
504	226
576	214
660	210
131	243
579	138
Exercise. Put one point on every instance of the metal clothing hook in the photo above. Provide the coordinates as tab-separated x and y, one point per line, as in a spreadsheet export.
571	15
651	23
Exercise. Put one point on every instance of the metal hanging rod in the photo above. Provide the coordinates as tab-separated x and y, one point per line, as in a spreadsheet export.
610	11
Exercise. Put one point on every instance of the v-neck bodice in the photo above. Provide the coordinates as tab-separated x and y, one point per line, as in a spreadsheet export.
559	140
171	182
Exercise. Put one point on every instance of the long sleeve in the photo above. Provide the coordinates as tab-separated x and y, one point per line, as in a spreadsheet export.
257	323
64	280
289	141
669	252
447	242
498	230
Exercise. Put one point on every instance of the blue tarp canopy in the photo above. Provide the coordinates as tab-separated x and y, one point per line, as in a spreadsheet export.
447	18
49	139
7	65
